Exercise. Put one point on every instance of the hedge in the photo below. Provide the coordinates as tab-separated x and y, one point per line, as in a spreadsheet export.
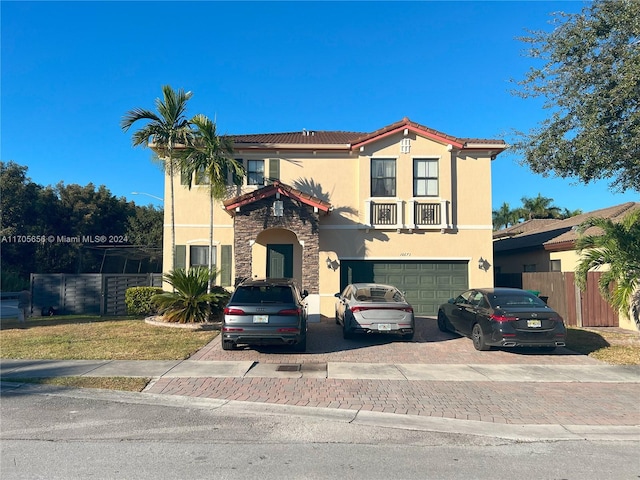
138	300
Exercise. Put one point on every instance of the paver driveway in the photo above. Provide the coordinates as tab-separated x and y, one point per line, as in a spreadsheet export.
429	346
506	402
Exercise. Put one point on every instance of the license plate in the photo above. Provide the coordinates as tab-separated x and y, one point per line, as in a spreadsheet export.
534	323
261	319
384	327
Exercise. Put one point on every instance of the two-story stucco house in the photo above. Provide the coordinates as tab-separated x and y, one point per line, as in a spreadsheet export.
405	205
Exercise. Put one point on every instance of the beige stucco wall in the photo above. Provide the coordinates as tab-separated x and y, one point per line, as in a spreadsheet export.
343	179
568	259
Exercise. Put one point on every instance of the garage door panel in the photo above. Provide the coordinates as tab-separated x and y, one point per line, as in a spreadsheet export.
426	284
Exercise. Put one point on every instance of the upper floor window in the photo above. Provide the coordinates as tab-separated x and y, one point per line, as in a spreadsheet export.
255	172
383	177
555	266
425	177
530	267
230	176
201	176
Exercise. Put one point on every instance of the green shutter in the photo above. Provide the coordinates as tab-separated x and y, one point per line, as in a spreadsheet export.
184	177
238	179
225	265
180	256
274	169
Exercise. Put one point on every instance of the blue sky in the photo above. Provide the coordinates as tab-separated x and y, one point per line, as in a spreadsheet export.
70	70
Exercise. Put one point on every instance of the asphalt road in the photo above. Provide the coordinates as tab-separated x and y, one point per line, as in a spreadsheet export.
55	433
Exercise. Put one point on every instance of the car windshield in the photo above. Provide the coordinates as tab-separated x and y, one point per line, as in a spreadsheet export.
515	300
263	294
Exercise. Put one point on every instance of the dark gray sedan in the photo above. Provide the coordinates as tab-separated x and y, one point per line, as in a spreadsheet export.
374	308
503	317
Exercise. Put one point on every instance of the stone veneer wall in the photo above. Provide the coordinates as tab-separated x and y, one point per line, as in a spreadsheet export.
298	217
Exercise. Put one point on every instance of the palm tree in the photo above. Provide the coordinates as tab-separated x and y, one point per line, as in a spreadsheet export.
166	131
505	216
617	247
190	301
566	213
212	156
539	207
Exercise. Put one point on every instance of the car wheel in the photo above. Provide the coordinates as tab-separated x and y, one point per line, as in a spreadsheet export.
337	321
347	334
477	336
442	322
228	345
301	346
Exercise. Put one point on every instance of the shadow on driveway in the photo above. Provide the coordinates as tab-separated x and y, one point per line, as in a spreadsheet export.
429	345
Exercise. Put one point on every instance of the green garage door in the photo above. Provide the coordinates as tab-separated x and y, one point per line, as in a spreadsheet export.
426	284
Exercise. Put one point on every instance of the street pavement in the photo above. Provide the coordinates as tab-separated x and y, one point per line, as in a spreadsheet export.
436	382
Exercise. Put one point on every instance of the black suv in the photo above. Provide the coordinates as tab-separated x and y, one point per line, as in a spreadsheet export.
267	311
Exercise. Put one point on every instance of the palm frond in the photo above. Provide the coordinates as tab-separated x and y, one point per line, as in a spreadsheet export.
190	302
615	249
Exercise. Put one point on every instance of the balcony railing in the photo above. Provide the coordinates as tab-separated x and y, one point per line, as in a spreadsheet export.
410	215
427	214
384	214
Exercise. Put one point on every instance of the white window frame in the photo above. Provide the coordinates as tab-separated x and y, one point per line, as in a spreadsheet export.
383	178
428	178
205	253
258	171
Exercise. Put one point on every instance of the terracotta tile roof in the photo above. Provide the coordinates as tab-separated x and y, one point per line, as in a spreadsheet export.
353	139
615	214
556	234
459	142
527	226
304	137
269	191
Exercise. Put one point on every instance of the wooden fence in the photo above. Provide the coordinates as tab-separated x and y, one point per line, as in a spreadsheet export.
90	293
578	308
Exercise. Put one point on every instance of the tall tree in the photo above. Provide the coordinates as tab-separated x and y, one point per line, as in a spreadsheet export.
539	207
591	87
19	205
566	213
145	231
505	216
210	157
167	131
615	245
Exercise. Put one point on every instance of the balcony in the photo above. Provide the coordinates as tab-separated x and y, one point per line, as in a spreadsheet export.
415	214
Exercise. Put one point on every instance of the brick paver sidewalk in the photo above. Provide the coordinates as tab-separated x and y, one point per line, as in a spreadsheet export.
499	402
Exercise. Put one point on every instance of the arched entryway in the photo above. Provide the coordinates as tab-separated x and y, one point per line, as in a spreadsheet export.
277	252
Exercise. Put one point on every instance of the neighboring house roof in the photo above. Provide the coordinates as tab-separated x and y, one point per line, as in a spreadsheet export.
270	191
552	234
527	226
352	140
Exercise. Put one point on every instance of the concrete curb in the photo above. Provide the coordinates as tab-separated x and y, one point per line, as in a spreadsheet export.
514	432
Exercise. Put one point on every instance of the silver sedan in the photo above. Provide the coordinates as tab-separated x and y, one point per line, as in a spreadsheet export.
374	308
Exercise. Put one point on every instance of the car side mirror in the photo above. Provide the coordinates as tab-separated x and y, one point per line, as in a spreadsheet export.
305	294
338	295
452	301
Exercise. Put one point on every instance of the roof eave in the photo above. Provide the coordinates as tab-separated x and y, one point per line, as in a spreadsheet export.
410	128
560	246
271	191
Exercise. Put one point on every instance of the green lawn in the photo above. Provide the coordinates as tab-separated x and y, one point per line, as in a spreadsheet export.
97	338
109	338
